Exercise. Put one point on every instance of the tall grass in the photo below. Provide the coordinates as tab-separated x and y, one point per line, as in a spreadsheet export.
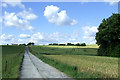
106	66
87	64
70	70
11	61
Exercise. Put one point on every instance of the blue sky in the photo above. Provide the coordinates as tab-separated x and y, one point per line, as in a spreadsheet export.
48	22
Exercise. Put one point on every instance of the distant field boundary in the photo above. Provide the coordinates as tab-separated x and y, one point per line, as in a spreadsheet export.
70	46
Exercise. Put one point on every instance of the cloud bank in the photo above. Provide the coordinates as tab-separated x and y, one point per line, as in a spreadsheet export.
19	20
6	39
89	34
39	38
24	36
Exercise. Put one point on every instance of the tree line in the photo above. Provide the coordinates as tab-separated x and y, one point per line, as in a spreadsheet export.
69	44
30	43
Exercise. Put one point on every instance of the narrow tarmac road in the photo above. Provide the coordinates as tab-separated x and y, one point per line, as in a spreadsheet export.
33	67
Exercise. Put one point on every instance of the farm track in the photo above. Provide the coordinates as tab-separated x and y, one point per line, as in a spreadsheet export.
33	67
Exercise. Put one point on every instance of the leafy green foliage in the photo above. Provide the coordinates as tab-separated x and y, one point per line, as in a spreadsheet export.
31	43
70	44
83	44
55	43
108	36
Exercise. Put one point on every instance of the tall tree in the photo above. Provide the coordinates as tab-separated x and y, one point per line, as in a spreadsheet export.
108	36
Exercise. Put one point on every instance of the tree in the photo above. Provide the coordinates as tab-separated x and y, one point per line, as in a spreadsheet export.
83	44
50	44
22	44
108	36
55	43
62	44
70	44
30	43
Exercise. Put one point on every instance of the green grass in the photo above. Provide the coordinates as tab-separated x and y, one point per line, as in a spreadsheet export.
61	50
84	59
70	70
11	61
96	64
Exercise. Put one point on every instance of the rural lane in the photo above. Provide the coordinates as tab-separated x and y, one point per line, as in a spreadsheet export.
33	67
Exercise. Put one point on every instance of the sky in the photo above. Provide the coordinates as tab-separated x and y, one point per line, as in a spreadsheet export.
52	22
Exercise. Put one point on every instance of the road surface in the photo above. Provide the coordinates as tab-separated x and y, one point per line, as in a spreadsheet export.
32	67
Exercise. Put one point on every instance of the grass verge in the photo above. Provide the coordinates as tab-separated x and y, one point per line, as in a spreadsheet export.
11	61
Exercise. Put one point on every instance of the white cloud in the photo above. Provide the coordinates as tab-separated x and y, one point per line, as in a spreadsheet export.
89	34
13	20
90	31
58	18
14	3
22	41
45	38
37	37
27	15
56	37
24	36
6	39
40	38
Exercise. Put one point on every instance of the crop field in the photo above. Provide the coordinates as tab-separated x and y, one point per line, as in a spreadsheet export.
95	64
88	46
78	62
63	50
11	61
